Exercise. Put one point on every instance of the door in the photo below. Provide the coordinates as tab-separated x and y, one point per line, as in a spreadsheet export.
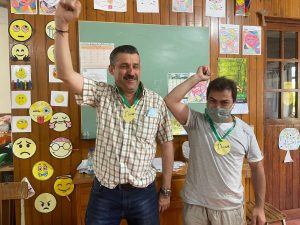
281	110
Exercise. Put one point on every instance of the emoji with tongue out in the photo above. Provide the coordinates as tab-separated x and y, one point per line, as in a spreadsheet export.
40	112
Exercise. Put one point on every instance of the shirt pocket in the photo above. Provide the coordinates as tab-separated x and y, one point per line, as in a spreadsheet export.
147	128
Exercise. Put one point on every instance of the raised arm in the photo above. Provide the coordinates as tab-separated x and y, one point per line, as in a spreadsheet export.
173	99
67	11
259	184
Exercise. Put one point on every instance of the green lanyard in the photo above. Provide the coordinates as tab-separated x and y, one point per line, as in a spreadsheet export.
137	94
212	126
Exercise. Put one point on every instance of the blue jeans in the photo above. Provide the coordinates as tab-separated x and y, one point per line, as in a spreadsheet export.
139	206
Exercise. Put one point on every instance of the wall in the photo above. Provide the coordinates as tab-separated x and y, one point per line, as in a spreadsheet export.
4	64
65	210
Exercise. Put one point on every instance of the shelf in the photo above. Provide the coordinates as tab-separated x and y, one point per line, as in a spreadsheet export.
6	168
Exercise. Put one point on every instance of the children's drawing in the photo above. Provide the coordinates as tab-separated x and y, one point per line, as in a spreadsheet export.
198	93
50	29
251	40
147	6
20	30
229	36
45	203
47	7
20	73
111	5
23	6
20	124
289	140
182	6
50	53
20	99
215	8
19	52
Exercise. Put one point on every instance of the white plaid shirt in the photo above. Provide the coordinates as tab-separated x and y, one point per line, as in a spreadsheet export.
124	151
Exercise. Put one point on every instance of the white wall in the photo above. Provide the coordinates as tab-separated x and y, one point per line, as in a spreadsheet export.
4	63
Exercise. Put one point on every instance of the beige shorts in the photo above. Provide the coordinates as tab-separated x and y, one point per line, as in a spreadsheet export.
198	215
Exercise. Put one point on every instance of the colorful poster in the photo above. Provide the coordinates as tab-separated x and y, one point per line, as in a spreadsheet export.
251	40
47	7
23	7
235	69
183	6
198	93
215	8
242	7
147	6
229	39
111	5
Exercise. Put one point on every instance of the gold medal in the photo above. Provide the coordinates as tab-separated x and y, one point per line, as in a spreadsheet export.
129	114
222	147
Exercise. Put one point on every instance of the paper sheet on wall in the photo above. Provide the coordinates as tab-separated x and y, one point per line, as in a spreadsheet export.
20	99
59	98
215	8
147	6
251	40
94	60
177	128
20	124
111	5
229	38
183	6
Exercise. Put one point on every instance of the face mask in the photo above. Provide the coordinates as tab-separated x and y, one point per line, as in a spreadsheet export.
218	115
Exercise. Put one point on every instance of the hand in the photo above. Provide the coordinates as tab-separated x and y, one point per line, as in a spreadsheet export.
203	73
258	216
67	11
163	203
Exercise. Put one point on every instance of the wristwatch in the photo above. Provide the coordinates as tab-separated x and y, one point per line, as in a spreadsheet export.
165	192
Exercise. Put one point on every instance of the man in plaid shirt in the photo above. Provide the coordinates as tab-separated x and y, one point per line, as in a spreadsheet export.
130	118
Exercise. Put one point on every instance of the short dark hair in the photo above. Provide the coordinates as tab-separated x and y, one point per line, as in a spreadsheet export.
122	49
221	84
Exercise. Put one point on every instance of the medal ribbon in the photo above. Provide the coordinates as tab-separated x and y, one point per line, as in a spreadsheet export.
212	126
137	93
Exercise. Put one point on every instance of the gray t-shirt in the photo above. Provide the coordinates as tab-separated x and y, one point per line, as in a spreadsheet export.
212	180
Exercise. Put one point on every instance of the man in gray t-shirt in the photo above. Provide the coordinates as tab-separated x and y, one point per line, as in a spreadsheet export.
219	142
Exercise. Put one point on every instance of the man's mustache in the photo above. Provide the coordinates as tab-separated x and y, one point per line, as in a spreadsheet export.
130	77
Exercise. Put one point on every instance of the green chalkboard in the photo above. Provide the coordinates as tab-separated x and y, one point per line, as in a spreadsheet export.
162	49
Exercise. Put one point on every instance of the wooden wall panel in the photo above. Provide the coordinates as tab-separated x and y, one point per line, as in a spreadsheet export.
65	211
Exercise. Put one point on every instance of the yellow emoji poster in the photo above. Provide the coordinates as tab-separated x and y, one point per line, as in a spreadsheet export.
63	185
20	30
45	203
59	98
24	148
20	73
20	124
20	99
53	75
40	112
60	148
42	170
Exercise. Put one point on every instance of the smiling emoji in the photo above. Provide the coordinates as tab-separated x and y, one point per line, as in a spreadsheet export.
21	73
64	186
60	148
24	148
20	52
20	30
